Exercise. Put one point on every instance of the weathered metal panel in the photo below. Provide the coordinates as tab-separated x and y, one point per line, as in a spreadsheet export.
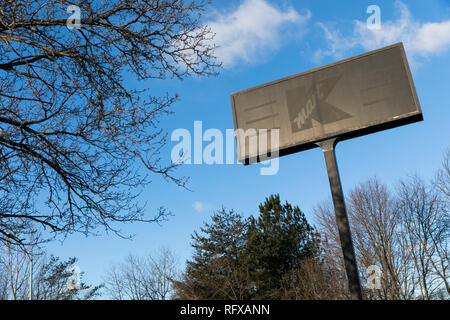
364	94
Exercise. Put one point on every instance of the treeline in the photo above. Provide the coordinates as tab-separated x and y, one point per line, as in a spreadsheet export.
400	233
403	231
401	237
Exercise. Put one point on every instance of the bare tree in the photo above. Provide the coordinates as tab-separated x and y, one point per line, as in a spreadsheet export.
78	138
332	251
18	264
3	285
405	234
15	263
28	273
143	278
316	280
443	176
426	229
376	221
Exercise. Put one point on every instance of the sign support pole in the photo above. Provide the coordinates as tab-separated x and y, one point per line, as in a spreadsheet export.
348	251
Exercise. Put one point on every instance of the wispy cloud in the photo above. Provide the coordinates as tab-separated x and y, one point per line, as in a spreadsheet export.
421	39
200	206
253	29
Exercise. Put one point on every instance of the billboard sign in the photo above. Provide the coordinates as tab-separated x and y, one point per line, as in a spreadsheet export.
360	95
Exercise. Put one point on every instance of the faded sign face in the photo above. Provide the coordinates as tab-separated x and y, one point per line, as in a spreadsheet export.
308	105
350	98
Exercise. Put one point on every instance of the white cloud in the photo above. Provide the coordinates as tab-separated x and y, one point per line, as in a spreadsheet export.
200	206
420	39
253	29
433	38
338	45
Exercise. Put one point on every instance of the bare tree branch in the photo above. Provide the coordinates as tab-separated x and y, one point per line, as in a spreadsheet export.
77	139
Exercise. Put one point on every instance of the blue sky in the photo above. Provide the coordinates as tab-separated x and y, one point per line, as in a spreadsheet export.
261	41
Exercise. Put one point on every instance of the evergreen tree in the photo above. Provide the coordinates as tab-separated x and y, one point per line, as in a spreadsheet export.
255	258
56	280
219	268
278	242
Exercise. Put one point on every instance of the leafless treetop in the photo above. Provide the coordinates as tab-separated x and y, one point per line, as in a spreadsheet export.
74	133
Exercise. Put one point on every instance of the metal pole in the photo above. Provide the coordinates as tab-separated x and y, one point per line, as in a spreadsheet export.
342	219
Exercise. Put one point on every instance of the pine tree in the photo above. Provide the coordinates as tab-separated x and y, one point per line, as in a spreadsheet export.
278	242
254	258
57	281
218	269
